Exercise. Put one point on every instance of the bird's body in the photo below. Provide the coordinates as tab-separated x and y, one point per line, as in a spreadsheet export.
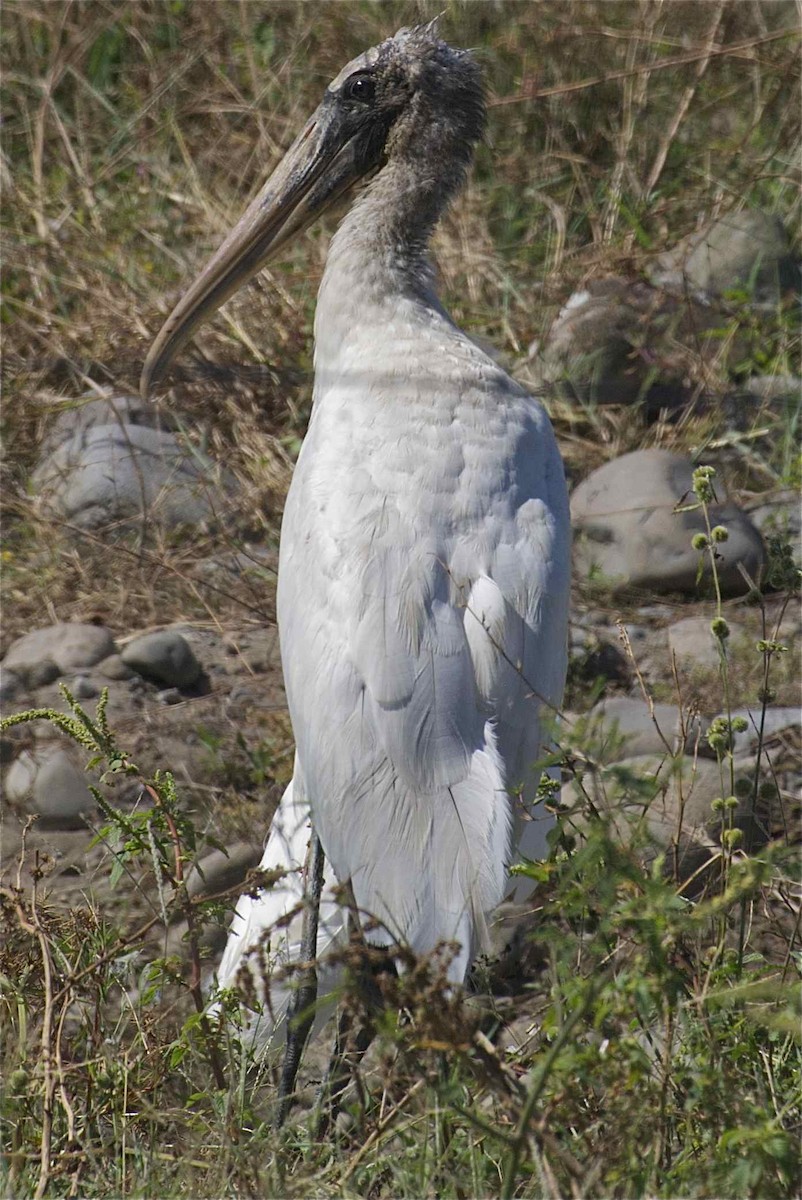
424	562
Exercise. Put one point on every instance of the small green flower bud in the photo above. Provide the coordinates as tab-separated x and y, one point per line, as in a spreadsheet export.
719	533
702	487
740	724
766	695
719	629
731	838
718	804
699	541
17	1082
731	802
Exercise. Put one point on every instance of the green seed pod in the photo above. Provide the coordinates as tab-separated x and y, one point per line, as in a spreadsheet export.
699	541
719	533
719	629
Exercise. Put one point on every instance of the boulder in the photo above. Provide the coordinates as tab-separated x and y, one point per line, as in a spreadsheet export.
48	783
692	643
748	250
42	655
629	534
626	727
165	658
103	465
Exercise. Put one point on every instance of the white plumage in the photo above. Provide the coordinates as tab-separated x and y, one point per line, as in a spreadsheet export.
424	562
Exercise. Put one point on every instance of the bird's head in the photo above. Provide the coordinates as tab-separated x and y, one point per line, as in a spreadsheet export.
412	99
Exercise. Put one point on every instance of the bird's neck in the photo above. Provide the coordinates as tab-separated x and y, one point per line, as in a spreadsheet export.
378	259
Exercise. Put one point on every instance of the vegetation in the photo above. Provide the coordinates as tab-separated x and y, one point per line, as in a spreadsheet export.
647	1041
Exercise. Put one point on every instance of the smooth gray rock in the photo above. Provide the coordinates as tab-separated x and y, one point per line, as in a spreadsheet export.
779	515
83	688
693	645
747	250
164	657
103	474
44	654
74	417
671	800
626	728
628	534
11	685
218	871
48	783
775	721
114	668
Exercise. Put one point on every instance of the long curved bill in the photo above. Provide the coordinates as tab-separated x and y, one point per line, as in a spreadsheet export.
320	165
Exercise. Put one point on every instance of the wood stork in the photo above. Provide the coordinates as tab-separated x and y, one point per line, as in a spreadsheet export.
425	547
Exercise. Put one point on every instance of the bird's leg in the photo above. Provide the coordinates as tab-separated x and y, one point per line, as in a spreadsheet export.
354	1034
301	1010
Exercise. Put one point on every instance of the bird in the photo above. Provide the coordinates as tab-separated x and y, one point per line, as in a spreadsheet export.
424	562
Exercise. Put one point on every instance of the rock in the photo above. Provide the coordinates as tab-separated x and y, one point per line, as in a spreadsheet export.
629	535
621	341
101	465
747	250
169	696
779	515
48	783
114	668
74	417
218	871
693	645
44	654
593	657
10	685
671	800
775	721
83	688
164	657
625	727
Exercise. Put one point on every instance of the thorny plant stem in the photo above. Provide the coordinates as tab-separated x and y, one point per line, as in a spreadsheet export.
188	909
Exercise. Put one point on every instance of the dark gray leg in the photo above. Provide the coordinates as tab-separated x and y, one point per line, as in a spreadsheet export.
301	1010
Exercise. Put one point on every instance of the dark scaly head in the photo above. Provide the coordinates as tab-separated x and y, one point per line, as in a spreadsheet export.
411	100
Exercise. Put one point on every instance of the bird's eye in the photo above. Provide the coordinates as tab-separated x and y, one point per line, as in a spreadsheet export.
359	87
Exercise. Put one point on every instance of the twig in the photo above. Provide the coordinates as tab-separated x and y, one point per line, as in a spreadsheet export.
681	60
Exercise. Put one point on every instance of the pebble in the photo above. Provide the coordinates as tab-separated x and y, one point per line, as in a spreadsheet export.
48	783
164	657
628	533
43	654
693	645
83	688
